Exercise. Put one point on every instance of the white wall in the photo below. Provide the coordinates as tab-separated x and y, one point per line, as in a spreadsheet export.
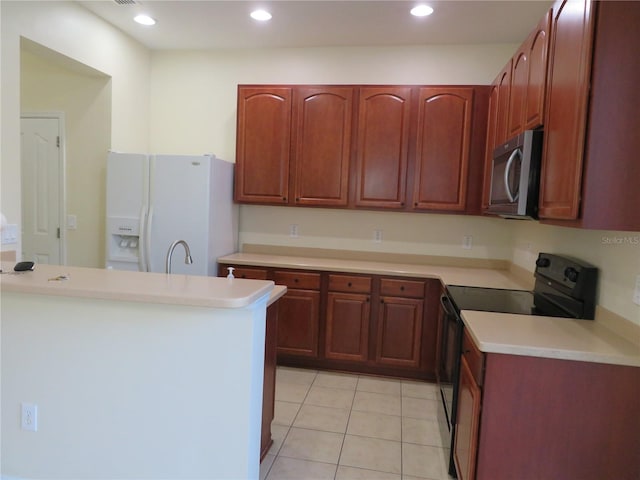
193	94
85	99
71	30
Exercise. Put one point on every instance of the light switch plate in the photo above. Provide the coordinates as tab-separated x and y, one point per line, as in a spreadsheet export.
9	234
72	222
636	293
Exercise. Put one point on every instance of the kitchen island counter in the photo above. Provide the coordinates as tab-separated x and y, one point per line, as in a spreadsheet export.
164	372
173	289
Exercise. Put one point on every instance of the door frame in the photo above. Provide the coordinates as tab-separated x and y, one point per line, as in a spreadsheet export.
62	178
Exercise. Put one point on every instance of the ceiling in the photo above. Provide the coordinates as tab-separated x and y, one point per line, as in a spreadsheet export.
226	24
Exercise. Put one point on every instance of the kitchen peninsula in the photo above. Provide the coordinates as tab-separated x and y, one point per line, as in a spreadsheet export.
134	374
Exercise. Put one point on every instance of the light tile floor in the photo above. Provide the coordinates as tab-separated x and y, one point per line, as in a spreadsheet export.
342	426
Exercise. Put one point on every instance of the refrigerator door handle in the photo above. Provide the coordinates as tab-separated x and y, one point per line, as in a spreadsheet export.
142	258
147	243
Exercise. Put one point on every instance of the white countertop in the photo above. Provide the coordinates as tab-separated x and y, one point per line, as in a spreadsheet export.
549	337
473	277
174	289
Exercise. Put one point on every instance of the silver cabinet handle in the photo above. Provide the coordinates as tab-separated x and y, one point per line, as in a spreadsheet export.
512	198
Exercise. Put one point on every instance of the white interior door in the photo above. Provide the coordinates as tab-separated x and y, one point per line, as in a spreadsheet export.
41	190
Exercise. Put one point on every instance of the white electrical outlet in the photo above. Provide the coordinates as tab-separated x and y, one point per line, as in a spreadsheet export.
29	417
636	294
293	230
467	242
377	236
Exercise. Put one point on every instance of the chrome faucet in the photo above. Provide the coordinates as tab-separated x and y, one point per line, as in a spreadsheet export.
187	259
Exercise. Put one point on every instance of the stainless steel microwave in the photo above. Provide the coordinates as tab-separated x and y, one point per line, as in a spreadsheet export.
515	176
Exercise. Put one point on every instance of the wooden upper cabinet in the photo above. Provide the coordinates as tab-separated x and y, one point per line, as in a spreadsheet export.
382	142
322	139
442	148
538	47
528	80
490	145
566	110
503	83
263	145
518	91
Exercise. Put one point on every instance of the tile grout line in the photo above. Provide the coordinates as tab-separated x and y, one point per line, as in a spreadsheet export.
346	428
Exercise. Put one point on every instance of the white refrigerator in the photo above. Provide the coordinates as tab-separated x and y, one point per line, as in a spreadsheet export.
154	200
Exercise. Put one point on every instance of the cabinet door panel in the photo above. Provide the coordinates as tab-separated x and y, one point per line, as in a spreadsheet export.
442	153
518	92
492	118
538	46
263	145
383	137
323	145
298	322
504	93
467	421
347	333
399	332
566	110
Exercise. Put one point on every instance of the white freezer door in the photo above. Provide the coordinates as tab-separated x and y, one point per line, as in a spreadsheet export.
179	210
127	202
127	184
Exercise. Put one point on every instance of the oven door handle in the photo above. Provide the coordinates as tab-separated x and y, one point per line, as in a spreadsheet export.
445	301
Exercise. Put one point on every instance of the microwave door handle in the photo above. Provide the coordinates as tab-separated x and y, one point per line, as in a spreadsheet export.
512	198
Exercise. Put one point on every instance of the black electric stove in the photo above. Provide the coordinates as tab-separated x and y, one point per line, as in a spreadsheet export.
564	287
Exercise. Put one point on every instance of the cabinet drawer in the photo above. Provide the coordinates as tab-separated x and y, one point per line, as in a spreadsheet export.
250	273
473	356
401	288
302	280
349	283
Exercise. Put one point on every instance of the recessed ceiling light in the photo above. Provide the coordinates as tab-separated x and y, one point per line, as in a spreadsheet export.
421	11
261	15
143	19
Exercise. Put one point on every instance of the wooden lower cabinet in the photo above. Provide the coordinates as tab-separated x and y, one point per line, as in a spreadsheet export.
347	327
298	325
299	317
269	384
355	322
348	318
537	418
399	336
468	417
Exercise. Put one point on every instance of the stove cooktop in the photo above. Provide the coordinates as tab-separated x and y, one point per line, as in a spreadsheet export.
492	299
